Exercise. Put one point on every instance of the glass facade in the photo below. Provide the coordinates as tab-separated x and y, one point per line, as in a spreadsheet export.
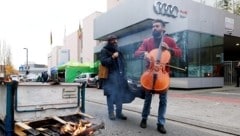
202	56
205	55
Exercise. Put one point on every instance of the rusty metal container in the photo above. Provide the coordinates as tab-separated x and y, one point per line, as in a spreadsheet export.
26	107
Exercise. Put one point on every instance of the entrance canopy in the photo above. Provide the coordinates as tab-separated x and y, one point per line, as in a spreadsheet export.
74	68
74	64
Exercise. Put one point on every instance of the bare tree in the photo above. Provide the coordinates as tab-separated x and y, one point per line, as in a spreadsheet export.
224	4
5	56
237	7
232	6
8	59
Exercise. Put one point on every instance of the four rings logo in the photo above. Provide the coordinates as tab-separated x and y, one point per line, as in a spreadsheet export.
165	9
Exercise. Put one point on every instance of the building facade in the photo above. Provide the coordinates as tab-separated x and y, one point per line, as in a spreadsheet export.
53	56
73	43
112	3
87	50
71	50
205	34
33	69
77	46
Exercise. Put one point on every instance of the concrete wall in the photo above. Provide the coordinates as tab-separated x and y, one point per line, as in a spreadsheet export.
189	83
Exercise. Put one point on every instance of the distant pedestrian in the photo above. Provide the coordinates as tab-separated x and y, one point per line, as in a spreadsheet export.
237	68
44	76
112	58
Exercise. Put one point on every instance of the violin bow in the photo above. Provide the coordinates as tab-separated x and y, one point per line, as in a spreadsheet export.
171	66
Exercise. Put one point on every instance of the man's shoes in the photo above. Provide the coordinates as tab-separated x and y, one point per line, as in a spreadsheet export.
143	123
111	116
122	117
161	129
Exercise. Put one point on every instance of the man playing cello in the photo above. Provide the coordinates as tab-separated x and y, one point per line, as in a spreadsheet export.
149	44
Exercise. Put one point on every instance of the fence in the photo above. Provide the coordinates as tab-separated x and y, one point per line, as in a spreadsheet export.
229	72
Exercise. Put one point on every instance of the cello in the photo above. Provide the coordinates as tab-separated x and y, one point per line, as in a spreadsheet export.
156	78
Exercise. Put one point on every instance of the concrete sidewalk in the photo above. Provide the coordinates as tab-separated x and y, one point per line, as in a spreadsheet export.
217	108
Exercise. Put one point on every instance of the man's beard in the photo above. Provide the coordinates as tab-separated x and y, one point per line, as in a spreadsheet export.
114	45
156	34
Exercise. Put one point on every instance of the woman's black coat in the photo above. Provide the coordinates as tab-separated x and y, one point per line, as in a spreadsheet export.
116	83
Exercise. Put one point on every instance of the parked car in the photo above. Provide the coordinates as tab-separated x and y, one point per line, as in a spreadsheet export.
15	77
99	82
31	78
21	77
88	78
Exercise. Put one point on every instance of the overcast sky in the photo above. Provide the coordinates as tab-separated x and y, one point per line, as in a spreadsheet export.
28	23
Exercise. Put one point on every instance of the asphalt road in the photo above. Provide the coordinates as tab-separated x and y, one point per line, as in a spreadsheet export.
131	127
95	105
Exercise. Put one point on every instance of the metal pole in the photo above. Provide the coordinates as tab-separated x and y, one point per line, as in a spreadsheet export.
83	97
9	119
26	59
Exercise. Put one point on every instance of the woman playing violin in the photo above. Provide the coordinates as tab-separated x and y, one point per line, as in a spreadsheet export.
149	44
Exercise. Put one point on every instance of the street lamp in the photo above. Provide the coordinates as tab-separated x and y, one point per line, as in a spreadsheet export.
26	60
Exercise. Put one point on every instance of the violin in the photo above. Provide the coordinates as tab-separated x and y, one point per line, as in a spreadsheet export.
156	78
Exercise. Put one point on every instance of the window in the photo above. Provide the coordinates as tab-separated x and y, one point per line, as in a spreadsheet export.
204	55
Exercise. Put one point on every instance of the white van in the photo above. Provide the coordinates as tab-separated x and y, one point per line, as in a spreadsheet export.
88	78
15	77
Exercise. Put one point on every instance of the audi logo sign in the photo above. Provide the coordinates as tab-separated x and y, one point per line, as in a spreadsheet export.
165	9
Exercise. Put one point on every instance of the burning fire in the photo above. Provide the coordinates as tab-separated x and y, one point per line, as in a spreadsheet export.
76	129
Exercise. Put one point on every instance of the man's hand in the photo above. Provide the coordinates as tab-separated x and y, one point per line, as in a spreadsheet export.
147	59
115	55
146	55
165	46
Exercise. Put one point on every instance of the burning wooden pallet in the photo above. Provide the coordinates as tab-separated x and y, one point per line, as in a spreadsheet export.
72	125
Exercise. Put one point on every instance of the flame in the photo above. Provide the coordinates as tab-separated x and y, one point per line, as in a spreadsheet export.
76	129
67	128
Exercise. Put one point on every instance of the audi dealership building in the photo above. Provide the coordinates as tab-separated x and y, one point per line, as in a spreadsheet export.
208	37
